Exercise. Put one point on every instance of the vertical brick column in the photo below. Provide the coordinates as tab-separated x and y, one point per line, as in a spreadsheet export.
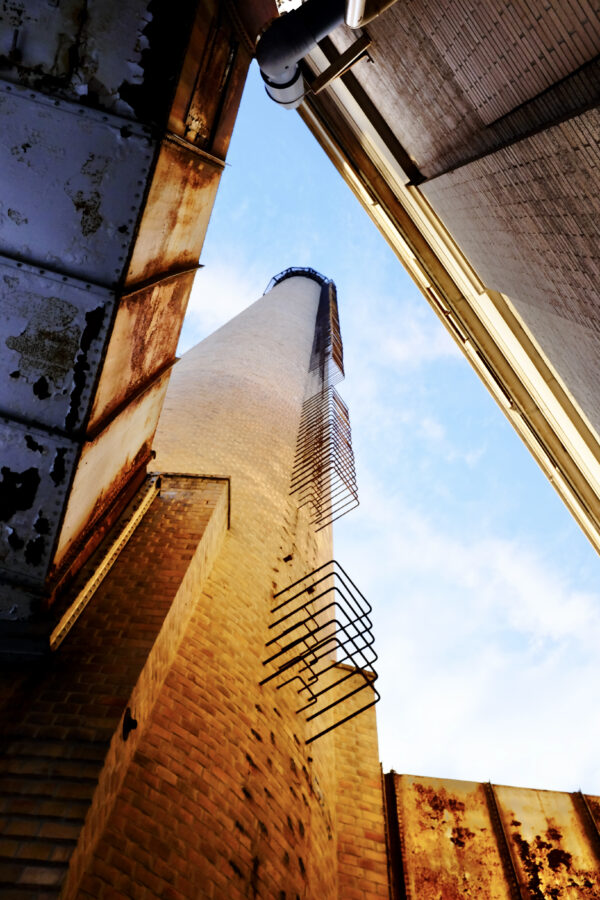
362	852
223	797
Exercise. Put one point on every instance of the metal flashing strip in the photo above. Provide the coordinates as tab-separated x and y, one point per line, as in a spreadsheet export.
508	863
138	287
195	151
135	394
539	401
325	639
141	506
77	109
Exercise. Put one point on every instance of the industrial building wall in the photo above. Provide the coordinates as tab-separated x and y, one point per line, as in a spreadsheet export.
539	202
496	105
475	128
116	122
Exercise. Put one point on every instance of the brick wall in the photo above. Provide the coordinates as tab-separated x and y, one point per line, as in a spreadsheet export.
362	854
61	720
216	792
527	217
447	76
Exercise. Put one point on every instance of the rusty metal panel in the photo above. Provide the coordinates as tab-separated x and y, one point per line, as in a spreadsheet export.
194	65
52	330
541	844
35	473
549	843
108	462
594	808
143	340
91	170
212	79
176	214
448	845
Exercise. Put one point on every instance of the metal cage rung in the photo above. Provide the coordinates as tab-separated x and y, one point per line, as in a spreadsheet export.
322	638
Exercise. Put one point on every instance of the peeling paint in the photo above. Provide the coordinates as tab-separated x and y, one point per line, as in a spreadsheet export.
14	540
58	470
87	172
54	330
34	551
77	49
40	388
42	525
17	490
32	444
93	324
49	341
17	217
35	474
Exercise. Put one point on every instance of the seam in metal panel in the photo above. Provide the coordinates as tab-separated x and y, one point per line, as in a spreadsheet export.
127	401
508	863
140	286
586	816
52	274
393	838
77	109
172	138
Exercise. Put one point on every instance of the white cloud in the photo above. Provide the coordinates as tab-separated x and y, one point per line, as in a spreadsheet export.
488	654
431	429
400	328
221	290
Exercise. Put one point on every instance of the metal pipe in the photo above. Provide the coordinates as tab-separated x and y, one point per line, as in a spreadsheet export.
287	40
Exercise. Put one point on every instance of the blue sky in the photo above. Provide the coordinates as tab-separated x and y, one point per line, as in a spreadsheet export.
487	605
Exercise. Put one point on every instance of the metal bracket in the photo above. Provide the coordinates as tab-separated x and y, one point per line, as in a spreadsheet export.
345	61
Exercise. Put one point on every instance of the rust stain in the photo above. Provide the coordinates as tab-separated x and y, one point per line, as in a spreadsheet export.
435	804
176	215
143	340
460	836
450	847
548	867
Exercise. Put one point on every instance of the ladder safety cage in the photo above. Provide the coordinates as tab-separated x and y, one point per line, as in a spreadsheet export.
324	639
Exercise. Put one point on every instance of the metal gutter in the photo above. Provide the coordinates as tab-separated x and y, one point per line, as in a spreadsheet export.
481	322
